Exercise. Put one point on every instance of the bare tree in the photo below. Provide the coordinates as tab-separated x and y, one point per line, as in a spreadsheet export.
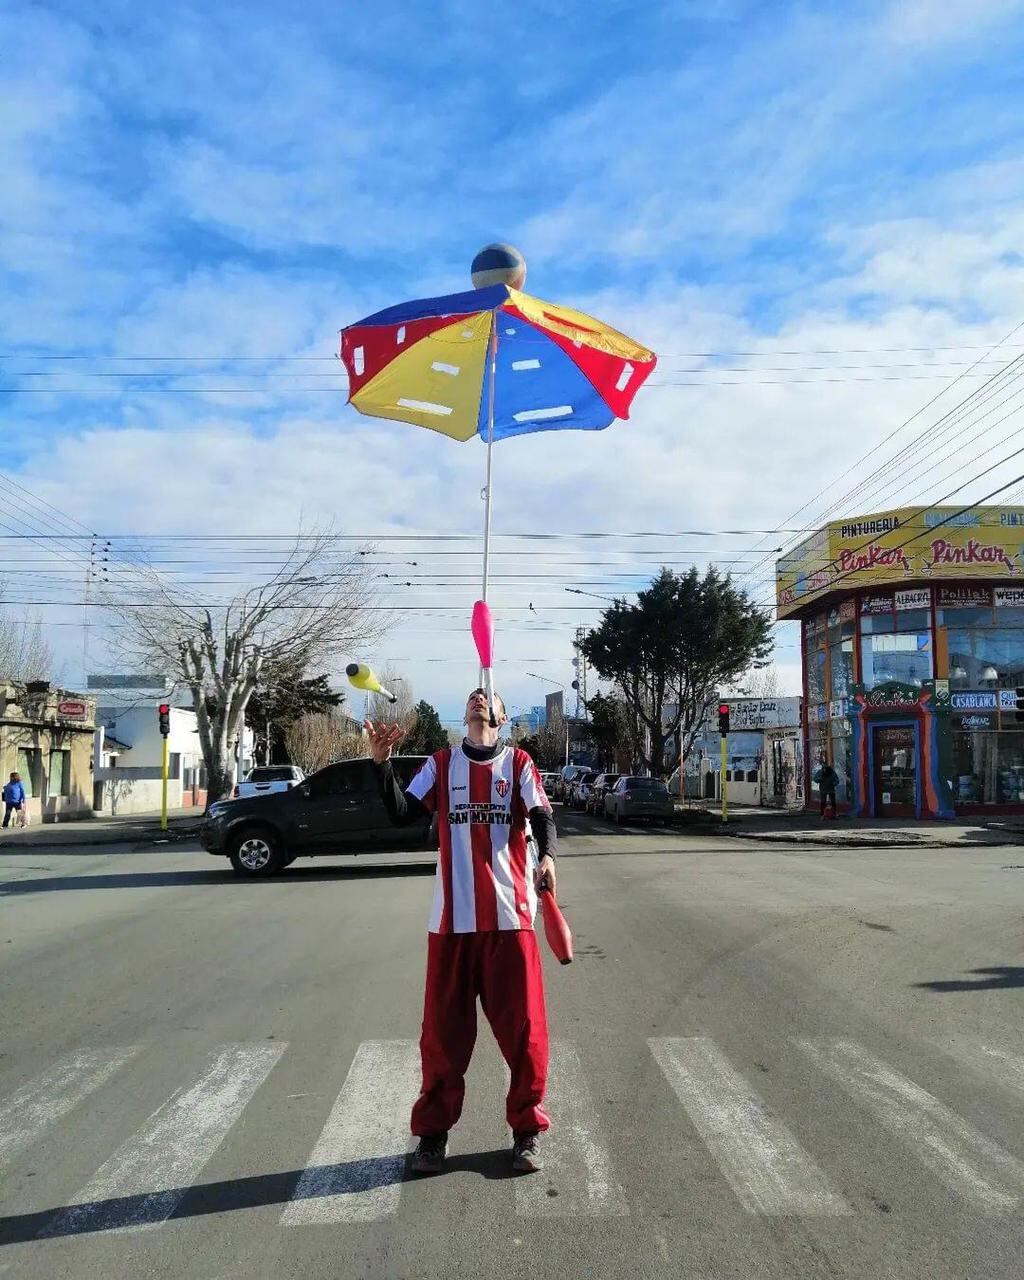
24	653
403	711
552	738
317	740
316	606
763	683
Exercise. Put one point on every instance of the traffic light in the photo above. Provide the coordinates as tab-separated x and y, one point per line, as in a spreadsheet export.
165	718
723	718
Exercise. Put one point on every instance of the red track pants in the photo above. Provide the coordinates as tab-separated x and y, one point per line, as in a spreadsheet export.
502	968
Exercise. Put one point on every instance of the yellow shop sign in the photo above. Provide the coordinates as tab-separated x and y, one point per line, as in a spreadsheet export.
899	548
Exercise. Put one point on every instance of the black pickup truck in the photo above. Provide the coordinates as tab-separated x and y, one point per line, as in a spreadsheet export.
338	809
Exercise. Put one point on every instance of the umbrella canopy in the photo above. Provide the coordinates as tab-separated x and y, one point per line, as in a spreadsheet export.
426	362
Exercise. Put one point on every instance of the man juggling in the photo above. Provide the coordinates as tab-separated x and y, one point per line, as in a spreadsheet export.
481	942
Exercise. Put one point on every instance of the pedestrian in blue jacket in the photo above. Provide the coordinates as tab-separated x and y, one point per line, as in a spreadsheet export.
14	798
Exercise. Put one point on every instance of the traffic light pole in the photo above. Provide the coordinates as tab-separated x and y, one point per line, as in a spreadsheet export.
164	720
163	784
723	730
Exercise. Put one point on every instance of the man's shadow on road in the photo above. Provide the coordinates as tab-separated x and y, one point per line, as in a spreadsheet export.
260	1191
213	878
996	978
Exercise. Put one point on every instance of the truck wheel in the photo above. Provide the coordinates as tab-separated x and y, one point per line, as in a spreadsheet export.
256	853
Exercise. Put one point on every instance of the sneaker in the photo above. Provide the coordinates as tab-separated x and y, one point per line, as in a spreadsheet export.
526	1157
430	1154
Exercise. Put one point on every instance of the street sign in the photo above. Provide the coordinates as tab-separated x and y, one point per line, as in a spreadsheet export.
72	709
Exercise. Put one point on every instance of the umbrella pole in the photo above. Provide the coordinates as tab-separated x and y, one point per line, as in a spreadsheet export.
492	372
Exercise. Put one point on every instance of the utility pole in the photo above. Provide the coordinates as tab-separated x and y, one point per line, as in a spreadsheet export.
580	663
723	729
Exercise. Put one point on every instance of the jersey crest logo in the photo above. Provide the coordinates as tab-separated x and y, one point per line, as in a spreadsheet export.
502	787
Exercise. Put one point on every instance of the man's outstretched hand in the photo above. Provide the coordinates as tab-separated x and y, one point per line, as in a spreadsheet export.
383	739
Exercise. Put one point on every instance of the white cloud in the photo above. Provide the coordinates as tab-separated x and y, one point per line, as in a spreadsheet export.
790	180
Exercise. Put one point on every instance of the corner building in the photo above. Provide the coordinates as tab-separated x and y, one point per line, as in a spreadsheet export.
912	643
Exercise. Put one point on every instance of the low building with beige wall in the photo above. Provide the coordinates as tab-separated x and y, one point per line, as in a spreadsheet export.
46	736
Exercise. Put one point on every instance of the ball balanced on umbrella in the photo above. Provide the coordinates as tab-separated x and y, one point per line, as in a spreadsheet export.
498	264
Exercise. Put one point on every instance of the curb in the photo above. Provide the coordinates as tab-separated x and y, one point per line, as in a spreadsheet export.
142	835
866	842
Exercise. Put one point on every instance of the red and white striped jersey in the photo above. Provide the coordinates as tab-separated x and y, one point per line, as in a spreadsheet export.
484	881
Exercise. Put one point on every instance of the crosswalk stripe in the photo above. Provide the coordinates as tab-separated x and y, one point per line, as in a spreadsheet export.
962	1156
171	1148
1012	1065
40	1103
356	1169
763	1163
576	1161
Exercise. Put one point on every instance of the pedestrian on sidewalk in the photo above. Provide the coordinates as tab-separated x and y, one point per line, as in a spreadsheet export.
14	800
828	780
481	941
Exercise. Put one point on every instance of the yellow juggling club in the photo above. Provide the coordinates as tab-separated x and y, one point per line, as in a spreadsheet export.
360	675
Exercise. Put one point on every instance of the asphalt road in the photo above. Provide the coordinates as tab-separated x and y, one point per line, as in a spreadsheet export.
769	1063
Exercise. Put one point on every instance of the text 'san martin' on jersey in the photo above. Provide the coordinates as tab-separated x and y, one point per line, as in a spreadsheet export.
484	881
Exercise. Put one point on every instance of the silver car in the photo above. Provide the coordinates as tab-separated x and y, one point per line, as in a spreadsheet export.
603	783
580	790
639	799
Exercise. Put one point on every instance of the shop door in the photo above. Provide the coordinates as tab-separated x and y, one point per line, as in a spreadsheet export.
896	773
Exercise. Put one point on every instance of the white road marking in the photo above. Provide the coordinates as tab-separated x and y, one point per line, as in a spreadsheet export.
356	1169
763	1163
1012	1065
576	1161
170	1149
27	1113
963	1157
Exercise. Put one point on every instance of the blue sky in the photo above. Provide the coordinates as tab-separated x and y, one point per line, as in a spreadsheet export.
242	180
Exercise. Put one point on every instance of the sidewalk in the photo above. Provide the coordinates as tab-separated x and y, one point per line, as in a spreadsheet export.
782	826
182	824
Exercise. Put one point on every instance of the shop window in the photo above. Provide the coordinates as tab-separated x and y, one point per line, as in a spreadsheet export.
905	657
843	673
967	616
818	738
877	624
842	759
986	659
988	767
59	773
816	688
30	769
913	620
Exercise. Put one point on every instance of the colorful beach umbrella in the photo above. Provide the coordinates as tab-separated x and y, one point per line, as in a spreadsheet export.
550	367
492	362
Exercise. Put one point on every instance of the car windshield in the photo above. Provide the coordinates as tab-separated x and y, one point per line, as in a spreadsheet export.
645	784
272	773
588	777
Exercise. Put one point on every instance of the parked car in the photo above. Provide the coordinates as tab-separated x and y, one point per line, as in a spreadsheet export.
632	799
549	781
266	779
338	809
580	790
603	783
566	777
